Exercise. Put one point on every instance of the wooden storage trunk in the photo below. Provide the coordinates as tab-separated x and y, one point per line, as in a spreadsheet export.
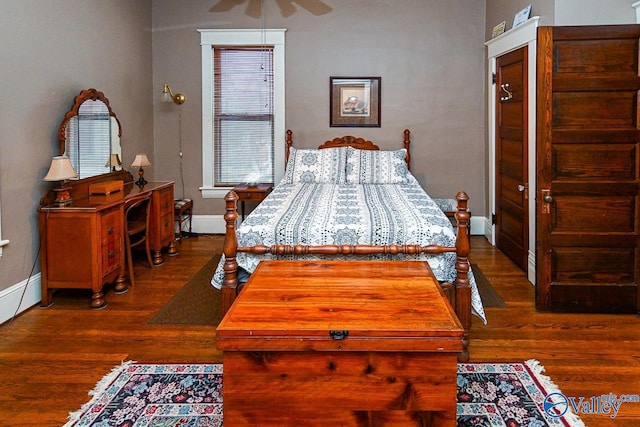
340	343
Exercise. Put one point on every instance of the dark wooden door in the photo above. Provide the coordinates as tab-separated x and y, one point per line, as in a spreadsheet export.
512	233
588	176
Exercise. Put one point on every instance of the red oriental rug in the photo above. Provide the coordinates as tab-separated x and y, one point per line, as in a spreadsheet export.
489	394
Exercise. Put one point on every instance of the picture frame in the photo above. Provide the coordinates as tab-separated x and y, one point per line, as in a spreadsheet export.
499	29
522	16
354	101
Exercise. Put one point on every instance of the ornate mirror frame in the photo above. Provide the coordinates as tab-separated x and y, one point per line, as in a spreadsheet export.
115	130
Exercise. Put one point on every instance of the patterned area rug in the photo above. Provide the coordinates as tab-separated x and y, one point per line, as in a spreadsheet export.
191	395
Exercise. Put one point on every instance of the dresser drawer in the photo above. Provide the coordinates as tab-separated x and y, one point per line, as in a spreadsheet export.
111	241
166	201
109	224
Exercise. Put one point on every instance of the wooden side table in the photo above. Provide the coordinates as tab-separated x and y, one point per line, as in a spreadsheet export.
254	193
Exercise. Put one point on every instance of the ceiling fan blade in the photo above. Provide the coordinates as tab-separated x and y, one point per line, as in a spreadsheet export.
254	9
316	7
286	7
225	5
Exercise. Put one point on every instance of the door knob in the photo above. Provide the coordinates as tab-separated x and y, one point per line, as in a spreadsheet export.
521	188
546	197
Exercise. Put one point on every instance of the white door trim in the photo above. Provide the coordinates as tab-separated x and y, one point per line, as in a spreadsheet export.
523	35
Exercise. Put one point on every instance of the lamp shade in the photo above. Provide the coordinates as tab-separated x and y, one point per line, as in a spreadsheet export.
60	169
113	161
166	94
141	161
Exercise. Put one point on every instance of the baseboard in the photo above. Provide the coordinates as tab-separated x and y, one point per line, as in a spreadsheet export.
208	224
487	229
477	225
19	297
531	267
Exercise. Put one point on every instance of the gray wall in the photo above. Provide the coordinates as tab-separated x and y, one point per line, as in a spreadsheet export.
50	51
562	12
429	53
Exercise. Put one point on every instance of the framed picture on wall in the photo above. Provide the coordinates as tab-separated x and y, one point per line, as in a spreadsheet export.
354	101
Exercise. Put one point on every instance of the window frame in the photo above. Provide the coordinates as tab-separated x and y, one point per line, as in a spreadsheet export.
240	37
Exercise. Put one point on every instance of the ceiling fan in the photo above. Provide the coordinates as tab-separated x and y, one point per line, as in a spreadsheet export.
287	8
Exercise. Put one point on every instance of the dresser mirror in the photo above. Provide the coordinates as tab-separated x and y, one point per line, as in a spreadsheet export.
90	135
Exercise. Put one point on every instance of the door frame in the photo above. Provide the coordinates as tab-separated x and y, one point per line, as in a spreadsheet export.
523	35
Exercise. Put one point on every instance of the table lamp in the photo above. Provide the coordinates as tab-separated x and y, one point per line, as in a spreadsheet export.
61	170
141	161
113	162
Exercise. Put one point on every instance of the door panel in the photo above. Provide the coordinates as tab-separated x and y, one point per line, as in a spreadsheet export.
512	234
587	166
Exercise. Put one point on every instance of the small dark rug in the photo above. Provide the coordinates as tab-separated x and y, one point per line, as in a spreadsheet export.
490	298
196	303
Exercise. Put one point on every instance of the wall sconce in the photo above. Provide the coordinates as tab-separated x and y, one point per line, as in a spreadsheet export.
61	170
113	162
168	96
141	161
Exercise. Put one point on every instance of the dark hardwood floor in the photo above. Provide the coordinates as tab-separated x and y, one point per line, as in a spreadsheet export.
51	357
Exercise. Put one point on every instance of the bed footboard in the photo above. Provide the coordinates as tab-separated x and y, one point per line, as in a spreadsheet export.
460	296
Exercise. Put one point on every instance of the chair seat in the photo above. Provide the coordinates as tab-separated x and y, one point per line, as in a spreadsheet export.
181	205
135	227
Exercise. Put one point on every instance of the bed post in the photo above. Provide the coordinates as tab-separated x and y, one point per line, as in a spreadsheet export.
289	143
462	288
230	248
407	141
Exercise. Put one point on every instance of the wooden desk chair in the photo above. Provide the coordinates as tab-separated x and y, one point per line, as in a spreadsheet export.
136	228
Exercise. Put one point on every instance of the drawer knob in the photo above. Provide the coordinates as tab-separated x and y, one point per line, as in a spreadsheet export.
110	230
111	254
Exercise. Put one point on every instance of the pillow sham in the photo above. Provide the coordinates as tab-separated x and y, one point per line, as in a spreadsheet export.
319	166
376	167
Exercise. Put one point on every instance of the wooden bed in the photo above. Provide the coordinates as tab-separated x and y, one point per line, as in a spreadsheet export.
458	292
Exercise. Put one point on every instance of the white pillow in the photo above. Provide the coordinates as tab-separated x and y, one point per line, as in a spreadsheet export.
377	166
325	166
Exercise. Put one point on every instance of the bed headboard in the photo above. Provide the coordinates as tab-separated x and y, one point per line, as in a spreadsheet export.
352	141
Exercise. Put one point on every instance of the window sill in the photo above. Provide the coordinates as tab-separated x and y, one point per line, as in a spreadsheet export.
3	243
214	192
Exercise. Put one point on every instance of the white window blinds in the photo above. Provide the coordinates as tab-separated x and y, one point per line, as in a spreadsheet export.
243	128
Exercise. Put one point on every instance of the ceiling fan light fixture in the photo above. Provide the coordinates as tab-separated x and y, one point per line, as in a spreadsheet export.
287	8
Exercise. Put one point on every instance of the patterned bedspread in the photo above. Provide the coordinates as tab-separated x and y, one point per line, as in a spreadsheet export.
376	214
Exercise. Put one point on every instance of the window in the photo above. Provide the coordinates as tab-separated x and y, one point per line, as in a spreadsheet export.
242	108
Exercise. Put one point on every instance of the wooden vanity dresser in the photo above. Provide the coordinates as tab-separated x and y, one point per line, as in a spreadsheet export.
82	244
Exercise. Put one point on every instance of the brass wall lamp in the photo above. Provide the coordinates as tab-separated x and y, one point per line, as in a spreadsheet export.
168	95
